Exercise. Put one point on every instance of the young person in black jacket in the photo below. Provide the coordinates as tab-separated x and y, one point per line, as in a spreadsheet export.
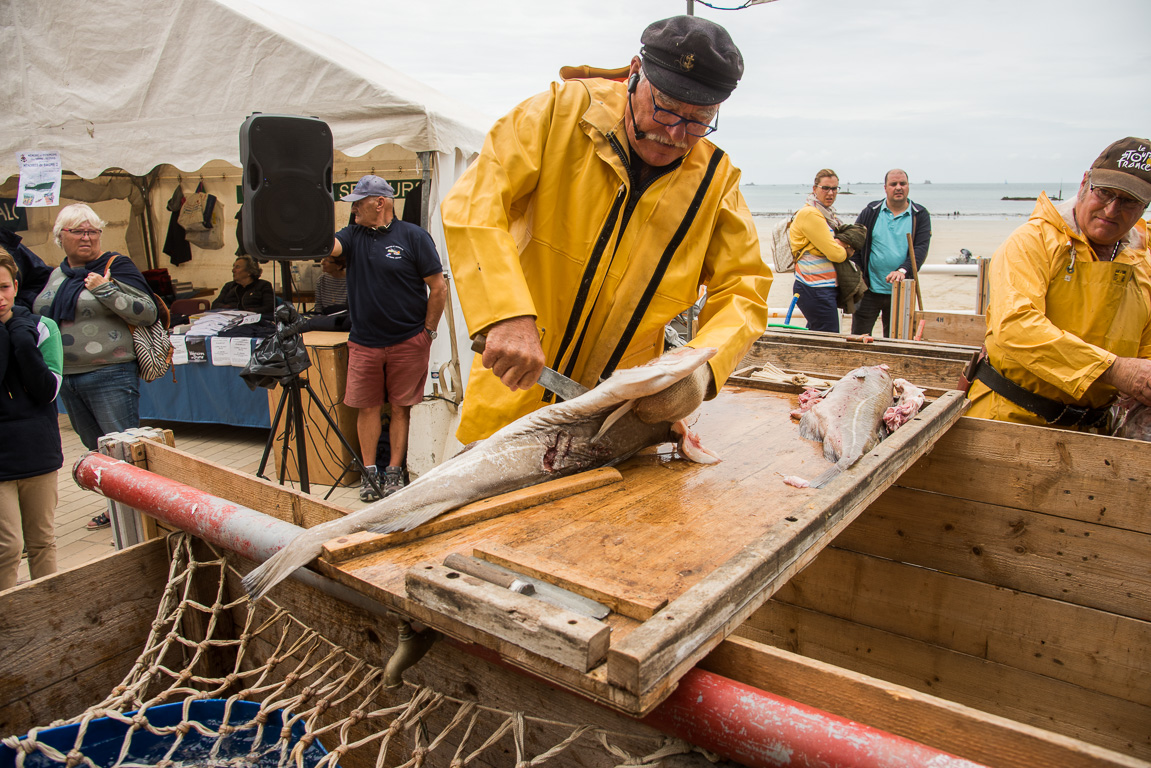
31	365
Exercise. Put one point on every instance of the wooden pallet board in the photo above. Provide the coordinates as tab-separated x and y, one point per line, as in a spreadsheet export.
681	552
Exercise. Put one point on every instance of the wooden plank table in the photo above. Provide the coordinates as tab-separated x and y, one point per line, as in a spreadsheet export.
682	552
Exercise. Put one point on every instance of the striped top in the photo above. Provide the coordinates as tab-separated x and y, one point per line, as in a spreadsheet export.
331	292
812	237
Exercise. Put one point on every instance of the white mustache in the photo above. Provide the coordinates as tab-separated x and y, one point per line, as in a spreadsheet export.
666	142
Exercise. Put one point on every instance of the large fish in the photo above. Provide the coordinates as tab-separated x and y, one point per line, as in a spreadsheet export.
849	419
597	429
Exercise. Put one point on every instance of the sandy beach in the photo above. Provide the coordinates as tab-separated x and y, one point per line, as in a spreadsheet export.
953	293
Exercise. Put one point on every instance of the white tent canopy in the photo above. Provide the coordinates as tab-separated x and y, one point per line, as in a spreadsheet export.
133	84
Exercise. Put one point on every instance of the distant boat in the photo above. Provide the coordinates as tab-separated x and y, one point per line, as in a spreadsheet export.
927	181
1005	197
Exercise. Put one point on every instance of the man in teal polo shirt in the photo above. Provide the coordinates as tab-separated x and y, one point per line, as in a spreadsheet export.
884	258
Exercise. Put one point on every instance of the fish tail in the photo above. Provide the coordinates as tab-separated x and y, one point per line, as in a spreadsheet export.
299	552
826	477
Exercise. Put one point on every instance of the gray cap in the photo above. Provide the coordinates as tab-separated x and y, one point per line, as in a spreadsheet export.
369	186
691	59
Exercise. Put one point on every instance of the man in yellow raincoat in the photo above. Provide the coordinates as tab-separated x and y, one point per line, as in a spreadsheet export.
1069	322
593	215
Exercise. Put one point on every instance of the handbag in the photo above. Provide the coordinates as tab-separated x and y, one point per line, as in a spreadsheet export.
196	214
211	239
151	343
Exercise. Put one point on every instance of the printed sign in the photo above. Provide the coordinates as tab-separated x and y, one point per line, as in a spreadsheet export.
39	179
404	187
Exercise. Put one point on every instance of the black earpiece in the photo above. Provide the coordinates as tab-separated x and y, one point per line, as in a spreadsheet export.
633	83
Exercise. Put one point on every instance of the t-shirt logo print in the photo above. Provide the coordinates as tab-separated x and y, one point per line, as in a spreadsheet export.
394	252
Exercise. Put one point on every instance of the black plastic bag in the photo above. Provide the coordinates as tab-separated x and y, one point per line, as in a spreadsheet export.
280	356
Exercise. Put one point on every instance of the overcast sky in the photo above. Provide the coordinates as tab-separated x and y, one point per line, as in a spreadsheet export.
951	90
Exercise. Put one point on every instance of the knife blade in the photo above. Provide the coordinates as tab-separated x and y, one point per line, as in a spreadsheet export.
549	379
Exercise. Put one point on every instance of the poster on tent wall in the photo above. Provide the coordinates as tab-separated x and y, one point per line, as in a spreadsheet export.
39	179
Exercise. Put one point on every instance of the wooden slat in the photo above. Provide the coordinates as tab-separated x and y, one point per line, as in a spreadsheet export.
1093	649
960	730
554	633
1082	563
994	688
954	327
637	605
261	495
704	614
1084	477
68	639
363	543
926	369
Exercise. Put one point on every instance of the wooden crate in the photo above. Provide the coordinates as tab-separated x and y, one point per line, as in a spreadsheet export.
1008	571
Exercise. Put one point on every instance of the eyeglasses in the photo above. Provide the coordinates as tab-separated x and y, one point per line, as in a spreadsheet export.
670	119
91	234
827	189
1126	204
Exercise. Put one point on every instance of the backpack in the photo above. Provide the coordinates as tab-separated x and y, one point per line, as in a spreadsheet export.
781	255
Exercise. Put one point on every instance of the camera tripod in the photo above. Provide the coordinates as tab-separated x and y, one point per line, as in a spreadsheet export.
292	399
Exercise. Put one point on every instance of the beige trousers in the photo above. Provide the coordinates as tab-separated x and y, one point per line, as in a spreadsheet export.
28	519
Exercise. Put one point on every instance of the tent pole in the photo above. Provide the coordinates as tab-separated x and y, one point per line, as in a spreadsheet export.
150	249
425	190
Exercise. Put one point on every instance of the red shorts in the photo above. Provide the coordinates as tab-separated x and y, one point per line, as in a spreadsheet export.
398	371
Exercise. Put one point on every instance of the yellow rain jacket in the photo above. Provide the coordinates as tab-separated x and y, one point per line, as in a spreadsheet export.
548	223
1058	318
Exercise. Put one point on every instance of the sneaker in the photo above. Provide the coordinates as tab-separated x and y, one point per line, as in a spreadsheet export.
99	521
367	492
393	480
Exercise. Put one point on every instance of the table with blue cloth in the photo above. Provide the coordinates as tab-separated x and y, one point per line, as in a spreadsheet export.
206	394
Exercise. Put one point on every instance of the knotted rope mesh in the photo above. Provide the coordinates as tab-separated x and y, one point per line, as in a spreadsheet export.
305	680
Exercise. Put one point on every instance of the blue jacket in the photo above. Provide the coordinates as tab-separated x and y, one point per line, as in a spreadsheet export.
921	237
28	386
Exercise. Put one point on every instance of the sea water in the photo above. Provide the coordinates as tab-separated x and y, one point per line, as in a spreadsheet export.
977	200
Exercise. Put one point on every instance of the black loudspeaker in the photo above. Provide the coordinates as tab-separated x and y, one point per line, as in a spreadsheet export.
287	179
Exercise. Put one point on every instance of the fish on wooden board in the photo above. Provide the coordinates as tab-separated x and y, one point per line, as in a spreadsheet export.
597	429
849	419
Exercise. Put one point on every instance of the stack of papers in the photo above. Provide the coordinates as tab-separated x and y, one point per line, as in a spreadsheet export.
192	346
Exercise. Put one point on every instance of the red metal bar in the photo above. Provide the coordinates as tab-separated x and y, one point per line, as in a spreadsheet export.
758	729
244	531
737	721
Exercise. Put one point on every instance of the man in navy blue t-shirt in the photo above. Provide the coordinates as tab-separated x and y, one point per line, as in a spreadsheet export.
396	294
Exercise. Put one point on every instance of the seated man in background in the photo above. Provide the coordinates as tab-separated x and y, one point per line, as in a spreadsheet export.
1069	322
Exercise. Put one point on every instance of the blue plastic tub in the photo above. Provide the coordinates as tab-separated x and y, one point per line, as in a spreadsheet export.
105	738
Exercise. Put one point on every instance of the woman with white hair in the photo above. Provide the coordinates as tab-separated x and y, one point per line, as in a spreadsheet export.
93	296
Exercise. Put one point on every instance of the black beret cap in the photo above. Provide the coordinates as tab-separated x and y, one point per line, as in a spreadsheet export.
691	59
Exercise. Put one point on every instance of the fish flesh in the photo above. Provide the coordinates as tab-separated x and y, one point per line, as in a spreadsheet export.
1132	420
909	400
596	429
849	419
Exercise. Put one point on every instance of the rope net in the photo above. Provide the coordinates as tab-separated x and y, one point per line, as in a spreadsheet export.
307	689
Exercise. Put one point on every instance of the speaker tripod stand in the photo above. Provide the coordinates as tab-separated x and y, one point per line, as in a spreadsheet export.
292	399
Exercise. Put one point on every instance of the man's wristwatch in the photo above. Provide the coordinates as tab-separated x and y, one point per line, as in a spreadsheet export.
431	333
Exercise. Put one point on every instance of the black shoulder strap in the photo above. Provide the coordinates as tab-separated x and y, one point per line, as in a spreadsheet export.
664	261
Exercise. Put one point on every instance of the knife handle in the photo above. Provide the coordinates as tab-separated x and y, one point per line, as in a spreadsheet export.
479	341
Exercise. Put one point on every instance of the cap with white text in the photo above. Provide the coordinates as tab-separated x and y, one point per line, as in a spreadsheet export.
369	186
1125	166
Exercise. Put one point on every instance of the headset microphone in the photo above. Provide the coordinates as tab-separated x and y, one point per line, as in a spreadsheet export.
632	84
